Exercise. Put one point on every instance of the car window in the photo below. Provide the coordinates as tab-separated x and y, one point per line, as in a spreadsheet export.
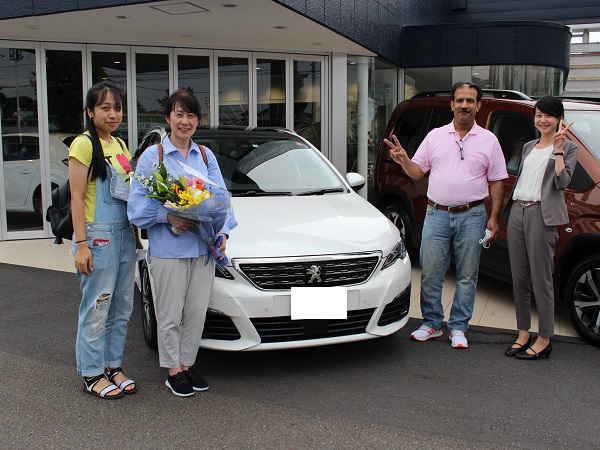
270	164
19	148
148	141
439	118
513	130
410	129
586	125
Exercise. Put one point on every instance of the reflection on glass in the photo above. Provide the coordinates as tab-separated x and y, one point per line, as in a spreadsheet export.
307	100
269	165
233	91
152	81
194	75
20	140
112	66
530	80
270	87
371	100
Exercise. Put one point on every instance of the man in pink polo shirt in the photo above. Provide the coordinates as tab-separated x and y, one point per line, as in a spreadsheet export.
463	159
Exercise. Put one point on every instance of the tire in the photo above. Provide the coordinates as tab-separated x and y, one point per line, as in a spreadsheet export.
399	217
582	299
37	201
148	314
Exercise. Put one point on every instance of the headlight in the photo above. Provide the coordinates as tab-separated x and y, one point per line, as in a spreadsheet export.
399	252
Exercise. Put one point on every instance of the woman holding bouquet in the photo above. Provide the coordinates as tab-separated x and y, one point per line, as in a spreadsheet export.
179	260
104	244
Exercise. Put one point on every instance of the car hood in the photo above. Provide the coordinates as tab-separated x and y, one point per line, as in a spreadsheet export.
312	225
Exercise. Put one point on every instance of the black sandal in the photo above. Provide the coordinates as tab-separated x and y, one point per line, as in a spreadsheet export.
90	382
110	374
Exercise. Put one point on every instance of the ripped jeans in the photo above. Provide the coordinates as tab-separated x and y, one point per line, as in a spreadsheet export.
107	294
107	299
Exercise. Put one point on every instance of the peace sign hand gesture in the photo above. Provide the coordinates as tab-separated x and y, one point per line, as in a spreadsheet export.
561	136
397	153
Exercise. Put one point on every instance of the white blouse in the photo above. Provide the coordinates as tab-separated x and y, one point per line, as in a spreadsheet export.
529	184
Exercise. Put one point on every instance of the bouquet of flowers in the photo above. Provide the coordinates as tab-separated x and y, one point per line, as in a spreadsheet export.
194	197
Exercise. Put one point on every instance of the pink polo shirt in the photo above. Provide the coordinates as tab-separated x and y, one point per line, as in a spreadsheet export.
456	181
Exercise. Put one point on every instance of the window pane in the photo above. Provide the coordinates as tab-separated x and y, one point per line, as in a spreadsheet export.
270	87
233	91
112	66
194	75
152	79
307	100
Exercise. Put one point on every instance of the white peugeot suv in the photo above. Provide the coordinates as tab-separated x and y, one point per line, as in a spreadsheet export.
301	225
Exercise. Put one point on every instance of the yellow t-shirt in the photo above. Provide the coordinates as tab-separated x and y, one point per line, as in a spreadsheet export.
81	149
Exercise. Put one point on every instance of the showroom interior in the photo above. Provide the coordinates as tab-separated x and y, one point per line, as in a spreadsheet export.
331	70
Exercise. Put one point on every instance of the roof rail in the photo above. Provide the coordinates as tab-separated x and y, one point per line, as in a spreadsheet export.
496	93
580	98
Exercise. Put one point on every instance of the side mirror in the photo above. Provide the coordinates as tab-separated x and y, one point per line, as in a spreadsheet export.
355	180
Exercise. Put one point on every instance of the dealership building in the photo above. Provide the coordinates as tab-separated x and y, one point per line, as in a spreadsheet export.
332	70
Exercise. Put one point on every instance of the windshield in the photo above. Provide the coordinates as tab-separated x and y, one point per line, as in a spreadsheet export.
586	125
274	165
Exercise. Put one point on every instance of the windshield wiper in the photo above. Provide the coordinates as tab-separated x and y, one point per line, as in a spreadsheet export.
251	193
323	191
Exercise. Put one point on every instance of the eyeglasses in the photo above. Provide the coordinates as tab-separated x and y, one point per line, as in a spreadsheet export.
461	149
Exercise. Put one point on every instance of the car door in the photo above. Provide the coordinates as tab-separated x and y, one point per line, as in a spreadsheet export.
21	168
513	128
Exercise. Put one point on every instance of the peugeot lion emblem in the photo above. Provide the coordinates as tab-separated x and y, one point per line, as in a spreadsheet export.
315	274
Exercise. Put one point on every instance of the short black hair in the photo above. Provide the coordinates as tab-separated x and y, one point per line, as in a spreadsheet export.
550	105
470	85
186	101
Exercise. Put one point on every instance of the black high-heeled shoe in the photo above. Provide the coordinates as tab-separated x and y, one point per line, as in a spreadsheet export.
535	355
512	351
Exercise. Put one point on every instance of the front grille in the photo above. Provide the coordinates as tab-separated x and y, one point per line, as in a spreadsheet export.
334	271
218	326
284	329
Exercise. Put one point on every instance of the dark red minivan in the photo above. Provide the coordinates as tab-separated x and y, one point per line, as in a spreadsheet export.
509	115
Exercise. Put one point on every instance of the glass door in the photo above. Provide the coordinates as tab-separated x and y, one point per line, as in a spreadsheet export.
22	211
193	74
233	89
307	86
112	64
152	89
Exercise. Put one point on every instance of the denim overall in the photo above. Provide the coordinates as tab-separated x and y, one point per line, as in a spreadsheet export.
107	294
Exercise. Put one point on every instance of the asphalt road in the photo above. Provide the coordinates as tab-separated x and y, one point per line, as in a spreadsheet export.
388	393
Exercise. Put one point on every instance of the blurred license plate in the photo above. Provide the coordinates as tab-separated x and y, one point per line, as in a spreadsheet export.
319	303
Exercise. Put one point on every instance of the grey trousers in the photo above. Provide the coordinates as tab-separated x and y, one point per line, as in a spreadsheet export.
182	291
531	246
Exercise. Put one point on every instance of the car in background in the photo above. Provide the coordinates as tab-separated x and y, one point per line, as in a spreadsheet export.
301	224
22	177
509	115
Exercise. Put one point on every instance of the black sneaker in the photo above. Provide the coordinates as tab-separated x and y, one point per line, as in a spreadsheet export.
180	385
198	383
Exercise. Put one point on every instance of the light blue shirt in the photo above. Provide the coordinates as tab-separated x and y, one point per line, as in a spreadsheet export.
148	213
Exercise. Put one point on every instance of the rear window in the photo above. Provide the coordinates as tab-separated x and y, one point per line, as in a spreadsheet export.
513	131
411	129
586	125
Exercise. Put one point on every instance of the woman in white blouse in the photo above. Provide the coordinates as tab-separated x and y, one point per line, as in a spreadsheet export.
536	207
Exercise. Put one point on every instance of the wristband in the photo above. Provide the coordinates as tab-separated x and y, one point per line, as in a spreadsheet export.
559	153
83	240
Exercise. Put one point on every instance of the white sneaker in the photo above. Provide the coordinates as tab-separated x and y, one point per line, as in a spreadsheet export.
424	333
458	339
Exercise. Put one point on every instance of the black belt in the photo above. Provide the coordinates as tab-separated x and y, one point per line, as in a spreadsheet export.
455	209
